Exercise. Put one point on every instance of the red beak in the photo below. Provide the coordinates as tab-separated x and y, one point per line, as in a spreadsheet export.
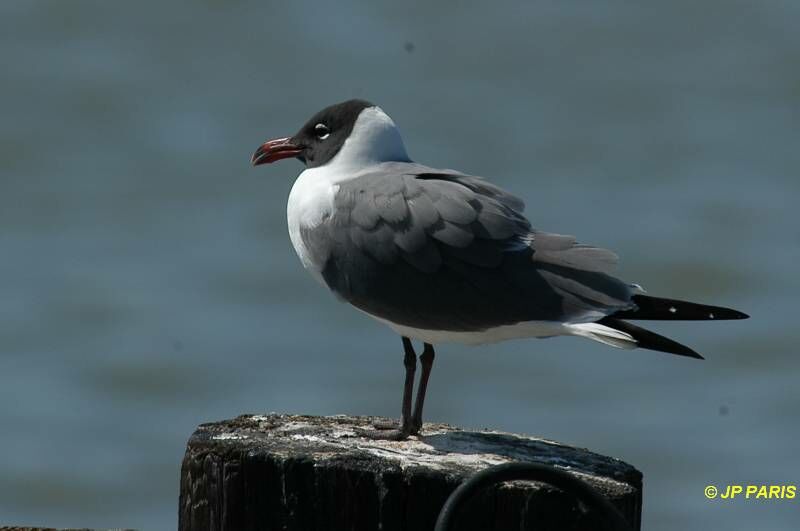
272	150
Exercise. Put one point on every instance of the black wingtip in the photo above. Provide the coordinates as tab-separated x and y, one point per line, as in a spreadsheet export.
724	314
692	354
663	344
661	309
650	340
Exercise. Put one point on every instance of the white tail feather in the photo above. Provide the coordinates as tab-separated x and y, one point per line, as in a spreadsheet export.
603	334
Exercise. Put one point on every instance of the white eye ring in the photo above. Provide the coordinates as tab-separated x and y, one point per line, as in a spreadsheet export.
322	131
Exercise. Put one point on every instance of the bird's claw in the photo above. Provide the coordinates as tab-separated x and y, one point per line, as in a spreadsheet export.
385	426
391	434
392	431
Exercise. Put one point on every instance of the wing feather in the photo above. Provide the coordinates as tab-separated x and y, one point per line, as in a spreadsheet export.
422	210
559	249
460	237
452	234
393	208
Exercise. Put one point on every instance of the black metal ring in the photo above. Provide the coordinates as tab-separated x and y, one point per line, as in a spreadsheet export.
610	515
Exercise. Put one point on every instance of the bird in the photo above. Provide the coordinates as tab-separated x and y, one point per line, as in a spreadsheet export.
441	256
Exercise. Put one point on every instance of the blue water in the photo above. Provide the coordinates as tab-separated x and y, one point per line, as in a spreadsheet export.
148	283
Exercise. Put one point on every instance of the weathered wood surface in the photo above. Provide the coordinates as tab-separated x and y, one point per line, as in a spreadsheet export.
302	473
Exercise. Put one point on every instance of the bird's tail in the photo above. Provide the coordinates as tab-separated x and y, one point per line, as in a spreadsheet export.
621	334
612	330
659	309
649	340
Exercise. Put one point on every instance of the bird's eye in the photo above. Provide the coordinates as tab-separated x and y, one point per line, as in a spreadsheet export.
322	131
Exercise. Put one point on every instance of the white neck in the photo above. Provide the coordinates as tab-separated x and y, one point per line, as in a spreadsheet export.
374	139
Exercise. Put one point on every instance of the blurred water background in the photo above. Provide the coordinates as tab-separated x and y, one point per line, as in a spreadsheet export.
147	282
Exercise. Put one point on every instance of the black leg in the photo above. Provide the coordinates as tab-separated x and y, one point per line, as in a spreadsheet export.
410	362
426	360
392	431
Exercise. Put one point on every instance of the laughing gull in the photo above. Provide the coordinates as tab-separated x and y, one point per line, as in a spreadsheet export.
442	256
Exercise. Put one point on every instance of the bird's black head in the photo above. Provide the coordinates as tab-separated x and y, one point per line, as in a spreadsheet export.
319	140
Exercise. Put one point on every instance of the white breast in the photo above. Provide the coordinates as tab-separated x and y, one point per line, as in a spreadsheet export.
310	203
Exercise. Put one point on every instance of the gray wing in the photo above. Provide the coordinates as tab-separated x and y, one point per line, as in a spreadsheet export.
438	249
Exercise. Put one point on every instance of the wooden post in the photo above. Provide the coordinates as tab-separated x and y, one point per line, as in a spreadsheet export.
302	473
